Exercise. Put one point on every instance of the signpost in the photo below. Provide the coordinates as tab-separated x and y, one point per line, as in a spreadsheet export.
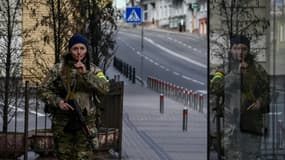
195	5
134	16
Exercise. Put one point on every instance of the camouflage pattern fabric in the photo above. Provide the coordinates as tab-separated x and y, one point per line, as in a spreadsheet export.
242	90
241	127
72	145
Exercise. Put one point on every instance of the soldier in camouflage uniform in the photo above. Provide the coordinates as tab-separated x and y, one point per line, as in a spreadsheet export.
73	78
216	110
246	99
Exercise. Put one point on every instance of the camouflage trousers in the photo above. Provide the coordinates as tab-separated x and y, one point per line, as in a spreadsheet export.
72	145
242	146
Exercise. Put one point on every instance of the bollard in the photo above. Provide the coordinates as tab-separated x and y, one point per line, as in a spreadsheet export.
123	68
195	104
114	62
130	73
160	86
167	89
134	75
201	103
185	119
185	91
190	97
161	100
127	71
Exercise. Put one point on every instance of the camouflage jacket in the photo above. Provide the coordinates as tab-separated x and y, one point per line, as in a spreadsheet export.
63	76
240	91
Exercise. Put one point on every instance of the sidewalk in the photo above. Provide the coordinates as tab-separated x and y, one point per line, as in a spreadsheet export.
150	135
196	35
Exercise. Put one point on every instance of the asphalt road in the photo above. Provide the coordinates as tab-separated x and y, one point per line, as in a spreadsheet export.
177	58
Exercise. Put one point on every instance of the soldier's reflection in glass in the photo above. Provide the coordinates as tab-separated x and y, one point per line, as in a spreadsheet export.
246	88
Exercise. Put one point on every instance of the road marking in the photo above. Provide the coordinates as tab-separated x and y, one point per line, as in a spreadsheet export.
176	73
202	91
274	113
161	66
193	80
175	54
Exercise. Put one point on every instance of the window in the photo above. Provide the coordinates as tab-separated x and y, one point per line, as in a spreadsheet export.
145	7
145	16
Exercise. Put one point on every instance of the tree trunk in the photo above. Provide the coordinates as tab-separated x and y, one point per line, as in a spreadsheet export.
7	67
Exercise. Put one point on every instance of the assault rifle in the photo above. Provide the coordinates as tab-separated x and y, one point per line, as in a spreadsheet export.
82	122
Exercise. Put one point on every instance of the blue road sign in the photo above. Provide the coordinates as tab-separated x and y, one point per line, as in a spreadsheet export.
133	15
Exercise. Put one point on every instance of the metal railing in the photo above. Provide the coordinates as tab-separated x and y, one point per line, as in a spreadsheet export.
31	130
192	99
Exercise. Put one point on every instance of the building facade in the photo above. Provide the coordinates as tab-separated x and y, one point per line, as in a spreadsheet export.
182	15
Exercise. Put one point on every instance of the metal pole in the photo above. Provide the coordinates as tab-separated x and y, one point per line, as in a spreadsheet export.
37	106
161	100
127	71
185	119
130	72
134	75
142	47
201	103
26	119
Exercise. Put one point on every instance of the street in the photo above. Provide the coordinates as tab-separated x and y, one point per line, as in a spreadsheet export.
147	134
173	57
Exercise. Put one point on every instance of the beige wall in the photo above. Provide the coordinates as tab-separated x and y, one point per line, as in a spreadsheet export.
33	44
39	55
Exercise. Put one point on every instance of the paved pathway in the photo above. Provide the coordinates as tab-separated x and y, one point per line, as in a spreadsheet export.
150	135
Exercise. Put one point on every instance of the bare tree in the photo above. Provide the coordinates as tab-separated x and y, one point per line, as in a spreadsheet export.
65	17
236	17
55	20
10	47
100	27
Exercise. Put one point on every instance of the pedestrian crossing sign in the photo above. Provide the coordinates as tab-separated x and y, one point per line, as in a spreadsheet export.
133	15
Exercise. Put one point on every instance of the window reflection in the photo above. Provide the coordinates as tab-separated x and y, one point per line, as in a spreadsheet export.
247	86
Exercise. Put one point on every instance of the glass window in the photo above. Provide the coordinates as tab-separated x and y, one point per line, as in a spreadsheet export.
247	92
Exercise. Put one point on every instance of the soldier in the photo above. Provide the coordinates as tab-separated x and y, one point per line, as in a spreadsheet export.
216	113
73	78
246	99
